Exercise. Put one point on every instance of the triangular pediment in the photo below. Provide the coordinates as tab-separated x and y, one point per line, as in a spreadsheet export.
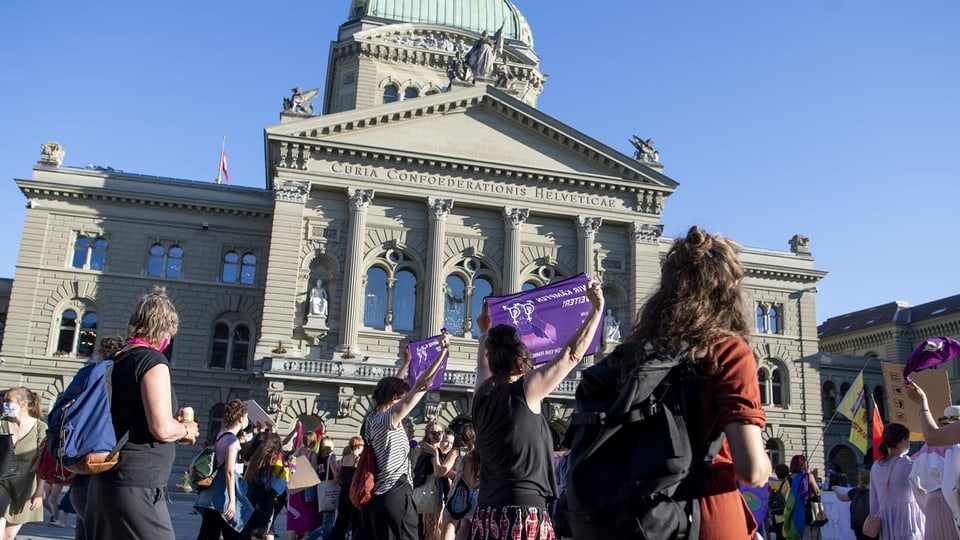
474	125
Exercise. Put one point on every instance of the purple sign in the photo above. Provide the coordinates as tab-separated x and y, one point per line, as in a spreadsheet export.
547	316
422	354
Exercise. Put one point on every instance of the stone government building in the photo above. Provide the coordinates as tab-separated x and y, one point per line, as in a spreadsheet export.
429	181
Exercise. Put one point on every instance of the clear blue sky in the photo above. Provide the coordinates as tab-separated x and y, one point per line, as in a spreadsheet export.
831	118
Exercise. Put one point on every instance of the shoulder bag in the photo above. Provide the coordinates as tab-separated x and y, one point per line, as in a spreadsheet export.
328	492
8	455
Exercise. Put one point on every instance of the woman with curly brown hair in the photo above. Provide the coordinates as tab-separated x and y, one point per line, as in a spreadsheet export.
514	441
220	504
699	304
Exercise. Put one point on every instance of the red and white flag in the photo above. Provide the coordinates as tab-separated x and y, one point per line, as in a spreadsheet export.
223	163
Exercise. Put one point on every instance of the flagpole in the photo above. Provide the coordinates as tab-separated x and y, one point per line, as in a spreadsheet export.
837	410
223	146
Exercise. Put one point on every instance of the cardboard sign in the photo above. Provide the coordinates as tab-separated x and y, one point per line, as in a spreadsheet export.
422	354
255	413
900	409
547	316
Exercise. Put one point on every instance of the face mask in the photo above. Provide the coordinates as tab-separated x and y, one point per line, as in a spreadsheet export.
11	410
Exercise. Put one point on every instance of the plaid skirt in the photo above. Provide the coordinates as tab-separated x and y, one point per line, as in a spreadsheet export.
512	523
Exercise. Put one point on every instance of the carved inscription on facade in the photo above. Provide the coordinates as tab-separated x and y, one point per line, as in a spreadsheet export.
484	187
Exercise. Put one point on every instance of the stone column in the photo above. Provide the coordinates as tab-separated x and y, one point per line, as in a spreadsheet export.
587	227
645	255
353	273
513	220
279	298
438	210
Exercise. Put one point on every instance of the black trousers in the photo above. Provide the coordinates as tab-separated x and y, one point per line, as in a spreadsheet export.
390	516
213	525
126	512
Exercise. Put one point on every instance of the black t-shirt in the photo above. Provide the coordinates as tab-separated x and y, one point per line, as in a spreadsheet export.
144	461
515	447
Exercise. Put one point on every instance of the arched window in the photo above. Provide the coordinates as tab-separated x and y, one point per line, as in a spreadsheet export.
529	286
404	301
454	310
375	299
390	93
231	266
829	399
68	330
215	421
763	379
774	450
390	295
248	269
155	262
844	387
432	91
81	248
776	387
465	290
774	319
230	344
410	93
761	319
174	261
77	335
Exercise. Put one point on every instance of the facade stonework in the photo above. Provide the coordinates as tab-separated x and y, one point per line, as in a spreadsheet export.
406	214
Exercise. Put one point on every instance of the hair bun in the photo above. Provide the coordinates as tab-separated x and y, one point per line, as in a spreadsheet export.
502	335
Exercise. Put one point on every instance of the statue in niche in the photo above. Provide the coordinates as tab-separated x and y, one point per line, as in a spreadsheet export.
319	301
300	101
645	151
458	66
611	326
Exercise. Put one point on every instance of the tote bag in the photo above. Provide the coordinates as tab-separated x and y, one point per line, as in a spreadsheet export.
328	492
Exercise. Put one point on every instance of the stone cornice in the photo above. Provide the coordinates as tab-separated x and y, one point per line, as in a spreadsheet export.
783	273
180	195
622	168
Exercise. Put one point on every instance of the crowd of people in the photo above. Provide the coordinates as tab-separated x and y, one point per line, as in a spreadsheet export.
486	476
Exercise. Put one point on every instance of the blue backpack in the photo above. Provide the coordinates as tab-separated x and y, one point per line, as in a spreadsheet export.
80	432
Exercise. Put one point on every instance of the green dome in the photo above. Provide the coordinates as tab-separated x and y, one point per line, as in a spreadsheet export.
475	15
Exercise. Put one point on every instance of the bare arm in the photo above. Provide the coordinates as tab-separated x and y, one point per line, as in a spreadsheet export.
155	392
228	467
933	435
812	483
402	408
538	383
750	462
448	467
483	365
404	363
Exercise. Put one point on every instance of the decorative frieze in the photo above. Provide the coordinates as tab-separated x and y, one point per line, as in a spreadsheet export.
647	233
291	191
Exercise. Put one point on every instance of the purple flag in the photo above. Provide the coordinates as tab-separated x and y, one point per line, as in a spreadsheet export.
422	354
547	316
932	352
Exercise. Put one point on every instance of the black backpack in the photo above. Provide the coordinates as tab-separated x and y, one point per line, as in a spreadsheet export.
778	503
632	471
859	507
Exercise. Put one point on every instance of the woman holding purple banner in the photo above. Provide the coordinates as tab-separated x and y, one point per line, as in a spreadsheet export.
514	443
390	514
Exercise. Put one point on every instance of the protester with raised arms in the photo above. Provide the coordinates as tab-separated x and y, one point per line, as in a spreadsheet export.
514	442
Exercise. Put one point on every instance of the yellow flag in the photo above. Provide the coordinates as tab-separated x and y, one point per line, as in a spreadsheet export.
853	401
858	428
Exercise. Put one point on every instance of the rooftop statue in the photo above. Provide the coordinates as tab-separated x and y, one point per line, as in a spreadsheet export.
300	101
645	151
485	51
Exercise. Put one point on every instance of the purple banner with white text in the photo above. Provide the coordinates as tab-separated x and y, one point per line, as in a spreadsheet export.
422	354
547	316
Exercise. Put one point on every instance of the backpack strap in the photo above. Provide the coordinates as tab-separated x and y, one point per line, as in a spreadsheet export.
214	447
